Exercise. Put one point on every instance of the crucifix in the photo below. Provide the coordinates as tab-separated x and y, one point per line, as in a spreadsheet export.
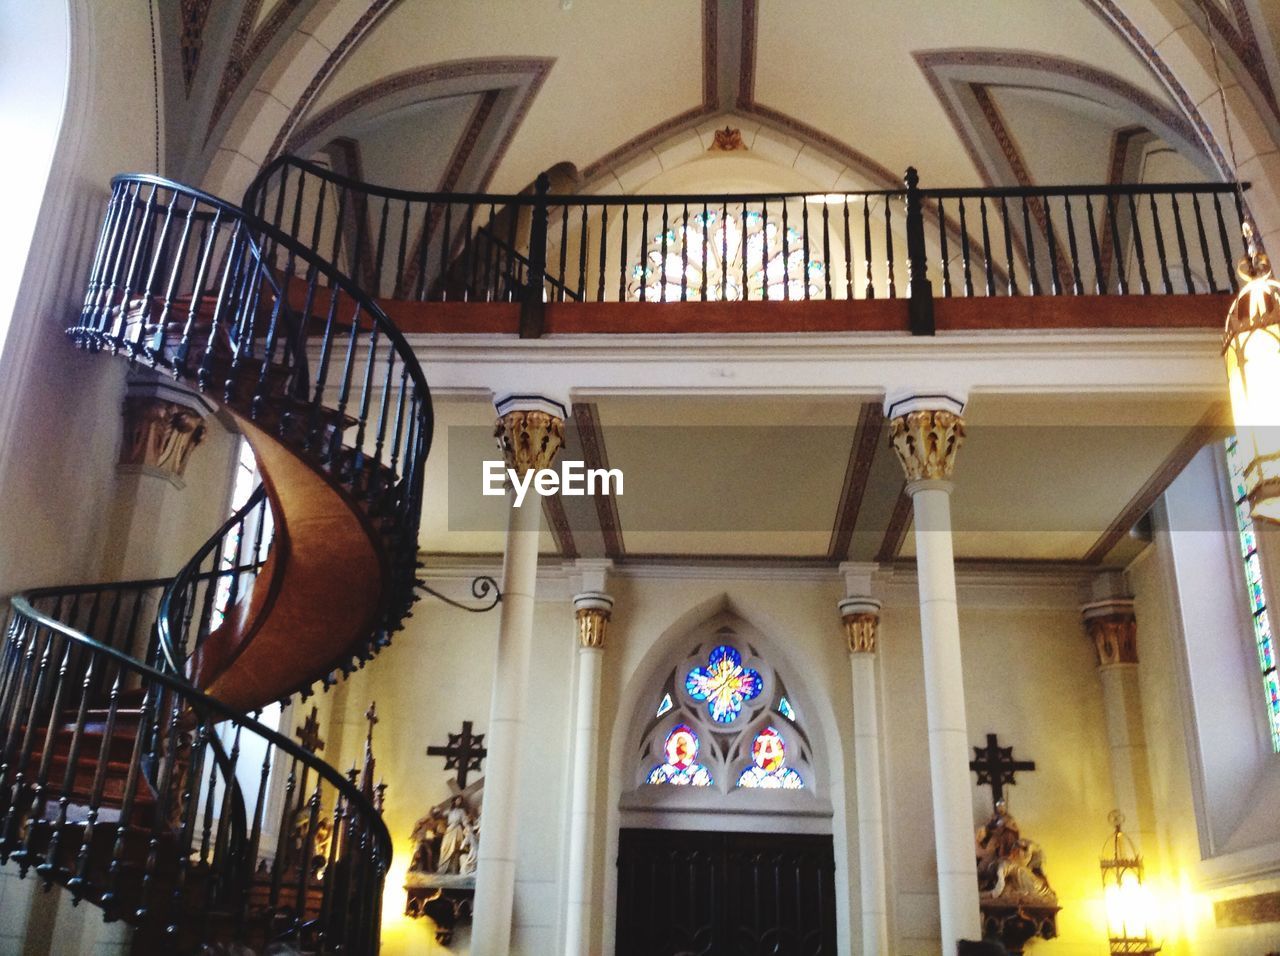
309	732
996	767
463	752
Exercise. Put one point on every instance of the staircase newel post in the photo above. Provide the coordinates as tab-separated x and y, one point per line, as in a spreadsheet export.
532	307
920	303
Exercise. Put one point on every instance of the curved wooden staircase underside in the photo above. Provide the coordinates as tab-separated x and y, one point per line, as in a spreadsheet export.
321	595
125	708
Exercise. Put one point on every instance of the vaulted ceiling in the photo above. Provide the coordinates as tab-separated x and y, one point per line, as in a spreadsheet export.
625	95
430	94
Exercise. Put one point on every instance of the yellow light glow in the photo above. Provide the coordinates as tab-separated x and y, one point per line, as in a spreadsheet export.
1251	352
1128	908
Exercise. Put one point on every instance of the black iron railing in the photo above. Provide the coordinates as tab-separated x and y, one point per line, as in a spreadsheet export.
164	807
119	777
193	286
912	243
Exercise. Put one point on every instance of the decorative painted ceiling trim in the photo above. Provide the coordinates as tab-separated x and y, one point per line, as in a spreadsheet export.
1207	429
558	523
586	417
467	143
531	73
194	15
884	177
1125	28
462	152
246	46
1242	42
710	52
1119	168
747	76
862	453
1022	175
328	68
896	532
623	154
982	66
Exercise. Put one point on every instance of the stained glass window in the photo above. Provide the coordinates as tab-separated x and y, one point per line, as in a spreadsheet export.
724	684
665	705
1257	594
785	709
732	255
769	770
681	767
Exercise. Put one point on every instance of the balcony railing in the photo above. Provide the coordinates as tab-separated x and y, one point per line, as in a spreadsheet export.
912	243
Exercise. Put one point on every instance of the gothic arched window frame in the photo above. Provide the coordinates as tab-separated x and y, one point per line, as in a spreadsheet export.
725	747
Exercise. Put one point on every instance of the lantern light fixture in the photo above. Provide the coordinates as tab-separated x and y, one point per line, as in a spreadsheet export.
1251	343
1128	902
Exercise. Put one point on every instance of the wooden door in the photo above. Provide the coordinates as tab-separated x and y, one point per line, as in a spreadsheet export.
693	893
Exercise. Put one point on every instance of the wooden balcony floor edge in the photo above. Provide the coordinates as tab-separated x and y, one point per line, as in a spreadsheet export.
1023	313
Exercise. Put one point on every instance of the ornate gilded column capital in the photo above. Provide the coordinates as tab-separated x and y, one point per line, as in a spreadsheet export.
1113	628
163	425
926	442
530	430
925	432
861	619
593	610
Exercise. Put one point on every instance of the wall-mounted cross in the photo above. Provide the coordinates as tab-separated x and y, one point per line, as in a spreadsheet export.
996	767
309	732
463	753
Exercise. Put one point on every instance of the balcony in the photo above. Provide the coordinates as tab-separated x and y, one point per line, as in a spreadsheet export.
917	260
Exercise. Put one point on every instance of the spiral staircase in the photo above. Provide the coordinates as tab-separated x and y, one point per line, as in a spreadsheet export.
134	770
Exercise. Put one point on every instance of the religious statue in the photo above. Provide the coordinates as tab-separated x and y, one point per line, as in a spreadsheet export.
427	834
440	883
459	839
1010	866
1018	905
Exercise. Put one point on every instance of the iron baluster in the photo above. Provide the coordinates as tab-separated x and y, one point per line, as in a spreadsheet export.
942	252
1160	250
1117	251
1136	228
1180	233
1100	281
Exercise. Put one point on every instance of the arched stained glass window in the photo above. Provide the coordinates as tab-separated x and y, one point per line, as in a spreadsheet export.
1262	633
769	770
681	766
732	255
718	722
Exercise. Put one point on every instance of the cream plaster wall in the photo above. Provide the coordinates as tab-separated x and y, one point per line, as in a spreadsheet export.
1029	675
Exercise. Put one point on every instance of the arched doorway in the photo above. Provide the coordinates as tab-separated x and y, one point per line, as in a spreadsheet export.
725	844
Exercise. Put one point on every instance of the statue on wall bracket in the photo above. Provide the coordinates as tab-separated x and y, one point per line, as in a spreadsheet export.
1018	904
441	881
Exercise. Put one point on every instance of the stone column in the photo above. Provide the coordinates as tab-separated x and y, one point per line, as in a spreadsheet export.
592	609
861	618
926	431
1111	625
530	431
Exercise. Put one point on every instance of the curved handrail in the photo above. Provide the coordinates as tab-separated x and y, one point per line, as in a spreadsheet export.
214	706
239	249
191	284
168	618
253	193
298	250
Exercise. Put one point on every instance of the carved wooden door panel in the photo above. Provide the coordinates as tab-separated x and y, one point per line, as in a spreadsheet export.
691	893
